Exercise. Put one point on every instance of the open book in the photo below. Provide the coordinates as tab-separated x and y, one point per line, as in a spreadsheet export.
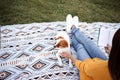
105	36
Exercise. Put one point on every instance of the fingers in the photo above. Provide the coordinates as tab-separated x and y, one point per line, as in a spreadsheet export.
108	45
62	54
107	48
65	54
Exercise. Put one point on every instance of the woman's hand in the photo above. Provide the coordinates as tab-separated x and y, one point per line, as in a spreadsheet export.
65	54
108	49
68	55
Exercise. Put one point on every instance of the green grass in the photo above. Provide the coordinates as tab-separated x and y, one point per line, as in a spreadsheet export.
28	11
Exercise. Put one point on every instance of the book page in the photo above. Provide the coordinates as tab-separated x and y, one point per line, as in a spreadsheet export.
111	34
103	37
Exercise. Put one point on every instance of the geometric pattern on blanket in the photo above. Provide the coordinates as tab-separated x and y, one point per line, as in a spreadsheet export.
27	51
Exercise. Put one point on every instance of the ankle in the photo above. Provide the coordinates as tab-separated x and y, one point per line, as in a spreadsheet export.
74	30
73	26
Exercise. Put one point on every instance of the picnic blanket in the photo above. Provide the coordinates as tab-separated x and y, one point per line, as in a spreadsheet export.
27	51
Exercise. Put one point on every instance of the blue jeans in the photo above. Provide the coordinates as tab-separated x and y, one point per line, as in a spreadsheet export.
84	47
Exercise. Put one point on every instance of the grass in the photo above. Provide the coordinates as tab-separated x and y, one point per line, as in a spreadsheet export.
28	11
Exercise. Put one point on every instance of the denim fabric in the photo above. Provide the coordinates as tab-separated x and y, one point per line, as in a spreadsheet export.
84	47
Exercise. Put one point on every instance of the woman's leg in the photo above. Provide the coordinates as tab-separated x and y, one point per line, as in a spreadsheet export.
82	54
92	49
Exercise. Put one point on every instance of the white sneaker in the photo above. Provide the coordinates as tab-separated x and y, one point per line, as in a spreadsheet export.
69	23
75	21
